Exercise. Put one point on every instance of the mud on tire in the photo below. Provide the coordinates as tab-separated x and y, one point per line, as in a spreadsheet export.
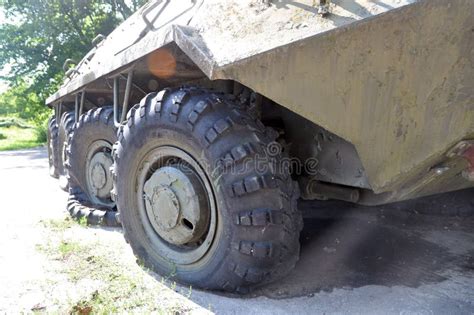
257	225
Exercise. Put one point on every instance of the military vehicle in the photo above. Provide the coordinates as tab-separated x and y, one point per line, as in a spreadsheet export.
198	124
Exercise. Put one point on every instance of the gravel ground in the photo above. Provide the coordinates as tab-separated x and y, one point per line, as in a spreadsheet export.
413	258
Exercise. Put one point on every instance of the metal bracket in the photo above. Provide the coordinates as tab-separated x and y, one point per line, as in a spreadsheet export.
67	63
58	111
135	85
465	149
126	97
98	39
79	105
323	7
312	189
148	23
67	70
70	72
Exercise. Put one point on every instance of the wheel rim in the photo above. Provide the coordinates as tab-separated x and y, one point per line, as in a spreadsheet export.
98	177
176	204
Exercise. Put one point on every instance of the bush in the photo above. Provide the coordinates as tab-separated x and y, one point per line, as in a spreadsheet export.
41	131
2	136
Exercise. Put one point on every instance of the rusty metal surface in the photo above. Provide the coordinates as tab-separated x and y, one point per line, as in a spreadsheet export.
394	78
399	87
250	27
336	159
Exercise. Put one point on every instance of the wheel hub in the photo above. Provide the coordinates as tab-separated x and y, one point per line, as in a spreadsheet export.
98	177
100	180
165	207
175	202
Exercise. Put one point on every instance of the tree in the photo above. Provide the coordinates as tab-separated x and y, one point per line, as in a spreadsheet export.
37	36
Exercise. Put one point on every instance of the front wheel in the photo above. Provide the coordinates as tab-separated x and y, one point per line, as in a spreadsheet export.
200	198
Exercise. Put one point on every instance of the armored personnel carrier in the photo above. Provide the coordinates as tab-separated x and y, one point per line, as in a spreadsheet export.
198	124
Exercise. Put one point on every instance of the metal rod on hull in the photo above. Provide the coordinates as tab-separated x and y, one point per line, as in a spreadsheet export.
126	97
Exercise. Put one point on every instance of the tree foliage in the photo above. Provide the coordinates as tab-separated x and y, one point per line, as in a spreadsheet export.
37	36
24	103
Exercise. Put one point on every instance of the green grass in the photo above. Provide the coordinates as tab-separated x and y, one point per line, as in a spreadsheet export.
58	225
122	289
15	138
67	248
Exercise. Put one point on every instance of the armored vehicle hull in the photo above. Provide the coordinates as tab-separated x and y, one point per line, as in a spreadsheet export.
370	103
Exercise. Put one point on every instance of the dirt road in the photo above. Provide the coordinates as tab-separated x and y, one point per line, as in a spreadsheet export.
413	257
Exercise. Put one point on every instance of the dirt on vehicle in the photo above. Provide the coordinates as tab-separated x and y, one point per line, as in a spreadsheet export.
200	127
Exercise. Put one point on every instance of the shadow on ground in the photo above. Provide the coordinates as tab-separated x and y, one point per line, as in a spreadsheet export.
344	246
31	154
28	159
410	243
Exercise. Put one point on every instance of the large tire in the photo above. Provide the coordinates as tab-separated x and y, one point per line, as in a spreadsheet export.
254	225
89	157
53	147
66	125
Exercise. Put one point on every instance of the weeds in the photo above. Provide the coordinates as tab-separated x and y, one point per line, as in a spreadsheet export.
117	288
68	248
190	292
82	221
58	225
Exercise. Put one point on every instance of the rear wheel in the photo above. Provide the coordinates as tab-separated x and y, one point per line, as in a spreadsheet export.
53	146
193	201
89	156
